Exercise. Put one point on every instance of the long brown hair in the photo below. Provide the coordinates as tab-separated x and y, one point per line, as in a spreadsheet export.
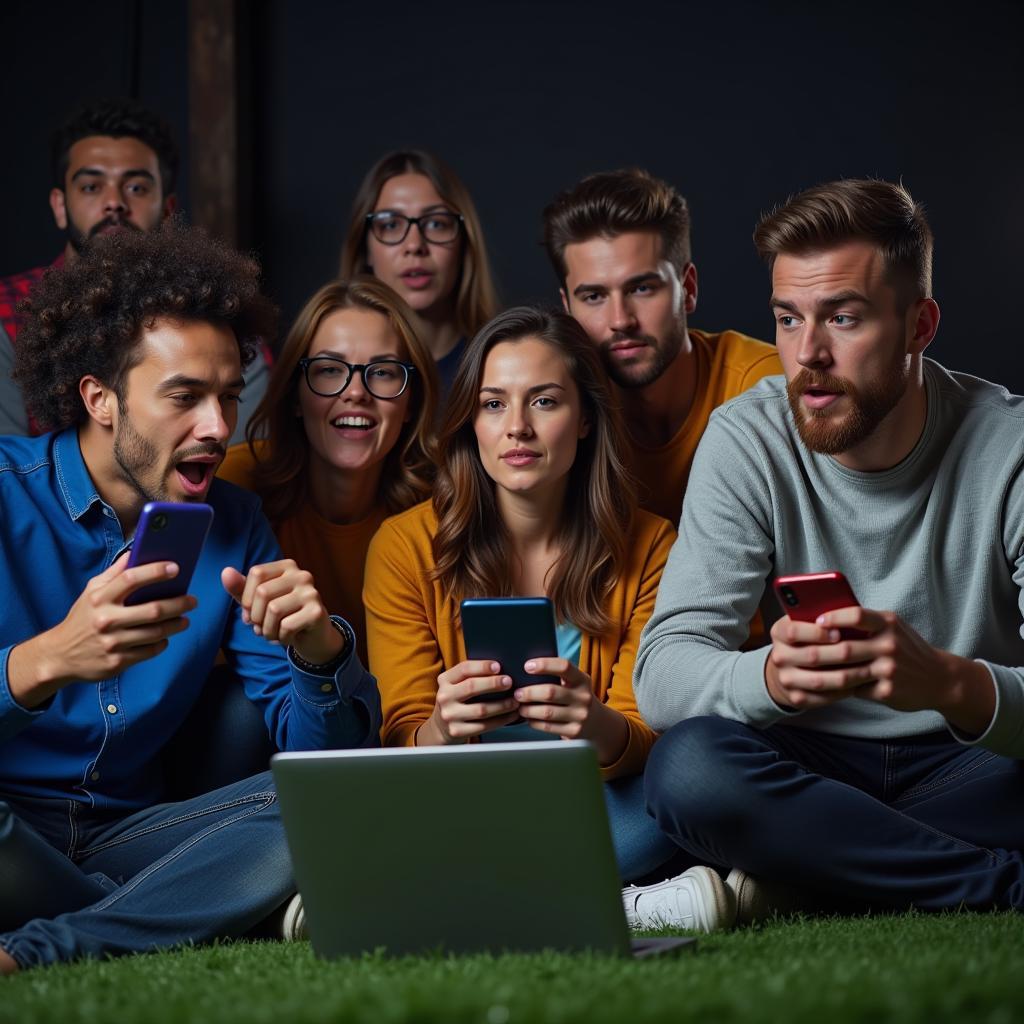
476	301
471	546
282	468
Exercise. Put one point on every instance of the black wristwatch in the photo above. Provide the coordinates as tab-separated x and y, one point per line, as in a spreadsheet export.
328	668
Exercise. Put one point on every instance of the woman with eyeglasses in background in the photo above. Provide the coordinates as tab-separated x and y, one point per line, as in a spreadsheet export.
414	226
343	436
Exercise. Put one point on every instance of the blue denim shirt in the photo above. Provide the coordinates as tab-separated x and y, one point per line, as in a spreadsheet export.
99	743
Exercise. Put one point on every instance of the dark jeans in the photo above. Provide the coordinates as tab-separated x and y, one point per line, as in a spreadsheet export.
921	821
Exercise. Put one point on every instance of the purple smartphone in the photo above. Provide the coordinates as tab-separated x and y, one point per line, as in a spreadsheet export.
169	532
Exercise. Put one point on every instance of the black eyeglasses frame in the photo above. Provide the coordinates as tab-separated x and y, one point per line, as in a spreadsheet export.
371	219
354	368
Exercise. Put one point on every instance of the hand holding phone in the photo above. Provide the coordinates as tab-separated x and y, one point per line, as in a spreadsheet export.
510	631
101	635
806	596
810	665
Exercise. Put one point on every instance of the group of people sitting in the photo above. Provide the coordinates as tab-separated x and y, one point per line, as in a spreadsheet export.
409	446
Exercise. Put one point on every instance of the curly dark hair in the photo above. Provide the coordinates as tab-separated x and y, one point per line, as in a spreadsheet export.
88	316
118	118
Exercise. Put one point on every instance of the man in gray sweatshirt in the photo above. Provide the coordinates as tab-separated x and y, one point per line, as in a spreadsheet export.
882	771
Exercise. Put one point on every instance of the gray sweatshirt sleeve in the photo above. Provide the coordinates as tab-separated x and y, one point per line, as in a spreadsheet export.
1005	733
13	418
689	662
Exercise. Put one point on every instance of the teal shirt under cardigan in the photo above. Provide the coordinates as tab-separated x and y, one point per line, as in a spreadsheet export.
939	539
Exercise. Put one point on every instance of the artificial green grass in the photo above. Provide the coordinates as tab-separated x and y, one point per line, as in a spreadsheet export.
911	968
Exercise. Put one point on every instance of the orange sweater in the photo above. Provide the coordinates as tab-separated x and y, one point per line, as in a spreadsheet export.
334	553
727	364
414	634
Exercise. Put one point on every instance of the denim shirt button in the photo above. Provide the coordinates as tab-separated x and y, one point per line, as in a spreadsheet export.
112	708
95	776
326	687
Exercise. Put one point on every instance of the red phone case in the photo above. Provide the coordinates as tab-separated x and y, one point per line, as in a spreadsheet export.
806	596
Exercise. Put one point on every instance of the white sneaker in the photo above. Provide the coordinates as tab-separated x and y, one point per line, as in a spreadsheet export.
697	899
293	923
758	900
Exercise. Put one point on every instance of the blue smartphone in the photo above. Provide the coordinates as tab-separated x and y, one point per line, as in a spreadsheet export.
169	532
510	631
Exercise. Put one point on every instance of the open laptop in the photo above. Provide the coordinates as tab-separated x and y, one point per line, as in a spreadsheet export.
498	847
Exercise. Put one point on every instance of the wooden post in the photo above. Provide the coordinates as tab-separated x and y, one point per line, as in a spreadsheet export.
213	117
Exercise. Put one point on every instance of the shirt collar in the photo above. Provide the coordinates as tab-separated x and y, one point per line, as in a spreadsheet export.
76	486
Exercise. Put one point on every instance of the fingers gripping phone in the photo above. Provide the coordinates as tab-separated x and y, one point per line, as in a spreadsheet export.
510	631
169	532
806	596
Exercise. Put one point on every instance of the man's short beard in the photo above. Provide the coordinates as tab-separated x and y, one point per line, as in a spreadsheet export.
664	355
134	453
79	238
821	432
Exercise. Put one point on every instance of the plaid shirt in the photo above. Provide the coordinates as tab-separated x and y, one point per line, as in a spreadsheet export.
15	288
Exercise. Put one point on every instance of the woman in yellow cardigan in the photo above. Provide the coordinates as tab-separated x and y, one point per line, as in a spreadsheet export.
531	499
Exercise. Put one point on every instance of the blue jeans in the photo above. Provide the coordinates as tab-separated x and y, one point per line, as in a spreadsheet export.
640	846
921	821
74	883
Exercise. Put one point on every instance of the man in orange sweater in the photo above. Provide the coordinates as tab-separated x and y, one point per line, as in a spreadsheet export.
620	245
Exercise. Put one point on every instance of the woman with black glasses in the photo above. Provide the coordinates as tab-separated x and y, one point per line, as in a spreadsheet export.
342	437
414	226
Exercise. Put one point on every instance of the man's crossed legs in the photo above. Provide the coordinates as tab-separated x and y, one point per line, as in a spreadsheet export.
919	821
74	883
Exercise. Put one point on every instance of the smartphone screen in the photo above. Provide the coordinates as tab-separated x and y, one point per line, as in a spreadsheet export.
169	532
510	631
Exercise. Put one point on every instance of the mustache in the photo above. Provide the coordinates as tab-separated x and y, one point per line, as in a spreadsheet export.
112	222
198	451
807	380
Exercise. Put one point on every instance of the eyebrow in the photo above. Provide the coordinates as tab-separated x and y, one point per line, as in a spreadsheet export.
637	279
96	172
373	359
436	208
829	302
490	390
179	380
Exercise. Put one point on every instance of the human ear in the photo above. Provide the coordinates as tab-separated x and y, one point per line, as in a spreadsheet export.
689	282
923	324
58	204
99	400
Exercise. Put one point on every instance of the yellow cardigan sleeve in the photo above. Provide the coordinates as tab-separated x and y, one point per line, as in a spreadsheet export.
652	551
401	635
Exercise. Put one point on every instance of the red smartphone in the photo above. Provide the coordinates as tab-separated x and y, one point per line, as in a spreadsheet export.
808	595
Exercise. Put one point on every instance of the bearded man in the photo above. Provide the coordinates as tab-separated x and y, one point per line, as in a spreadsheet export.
619	242
114	168
879	768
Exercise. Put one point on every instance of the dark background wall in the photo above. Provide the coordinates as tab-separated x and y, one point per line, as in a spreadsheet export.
737	103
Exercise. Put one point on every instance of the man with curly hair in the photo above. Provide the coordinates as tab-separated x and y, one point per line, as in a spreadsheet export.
114	168
133	354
